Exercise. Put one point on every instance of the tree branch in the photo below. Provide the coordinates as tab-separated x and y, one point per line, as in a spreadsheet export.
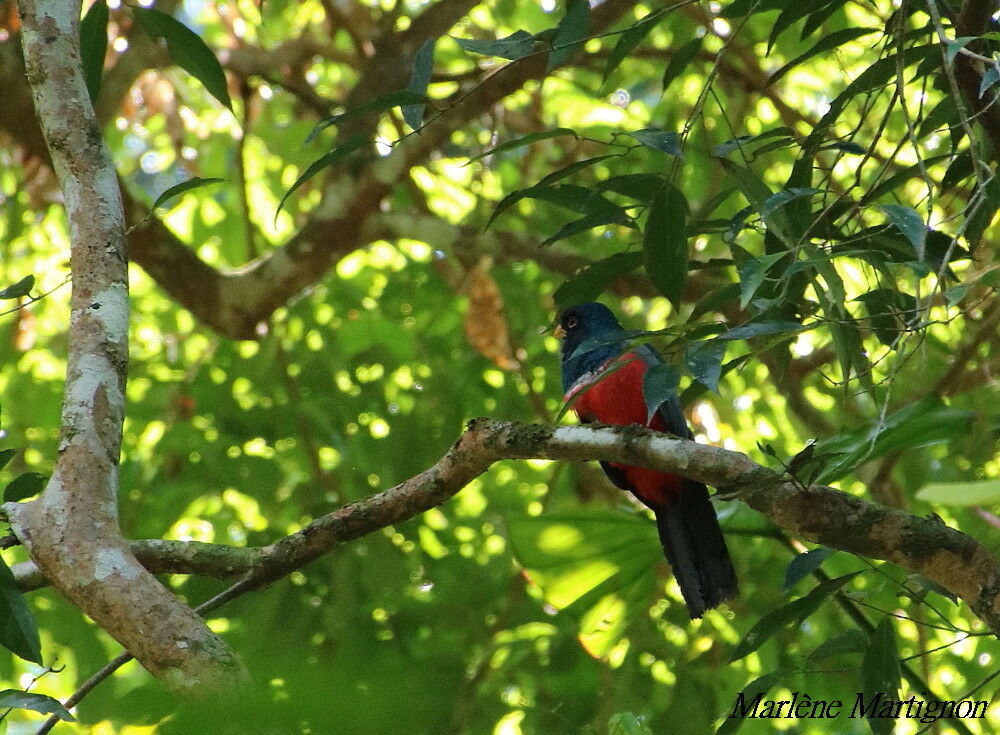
820	514
71	532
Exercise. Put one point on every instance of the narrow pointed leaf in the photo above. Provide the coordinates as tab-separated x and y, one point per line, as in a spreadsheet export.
629	40
515	46
24	486
680	61
94	46
337	154
18	632
990	77
187	50
659	385
423	63
704	361
511	145
664	243
805	564
983	492
956	46
399	98
591	282
880	672
780	199
177	189
753	271
42	703
795	611
907	221
19	289
835	39
6	456
659	140
570	32
848	641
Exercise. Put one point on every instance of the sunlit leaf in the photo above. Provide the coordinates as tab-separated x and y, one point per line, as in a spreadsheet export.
832	41
909	223
982	492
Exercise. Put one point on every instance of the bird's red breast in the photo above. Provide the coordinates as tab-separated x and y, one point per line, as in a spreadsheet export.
617	398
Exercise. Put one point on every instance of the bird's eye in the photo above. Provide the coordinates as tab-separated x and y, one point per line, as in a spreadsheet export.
571	322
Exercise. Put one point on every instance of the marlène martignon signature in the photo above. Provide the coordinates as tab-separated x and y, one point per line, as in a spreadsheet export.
878	706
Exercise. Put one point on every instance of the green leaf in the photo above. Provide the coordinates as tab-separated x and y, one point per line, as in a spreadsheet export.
42	703
337	154
195	182
6	456
682	57
796	610
659	385
743	141
704	361
757	193
848	641
762	328
909	222
596	565
752	273
664	243
187	50
835	39
511	145
423	63
955	46
805	564
591	282
880	672
588	222
783	197
570	33
923	423
24	486
659	140
93	46
982	492
19	289
571	169
627	723
761	685
990	77
515	46
629	40
640	187
17	627
399	98
986	205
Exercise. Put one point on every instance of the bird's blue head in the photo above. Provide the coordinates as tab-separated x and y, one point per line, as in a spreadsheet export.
579	324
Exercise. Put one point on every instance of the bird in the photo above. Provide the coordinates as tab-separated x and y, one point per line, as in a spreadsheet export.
606	386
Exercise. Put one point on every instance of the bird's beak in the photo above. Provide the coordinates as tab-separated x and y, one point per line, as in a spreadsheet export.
559	332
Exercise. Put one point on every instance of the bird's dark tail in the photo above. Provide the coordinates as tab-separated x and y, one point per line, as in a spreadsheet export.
696	549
